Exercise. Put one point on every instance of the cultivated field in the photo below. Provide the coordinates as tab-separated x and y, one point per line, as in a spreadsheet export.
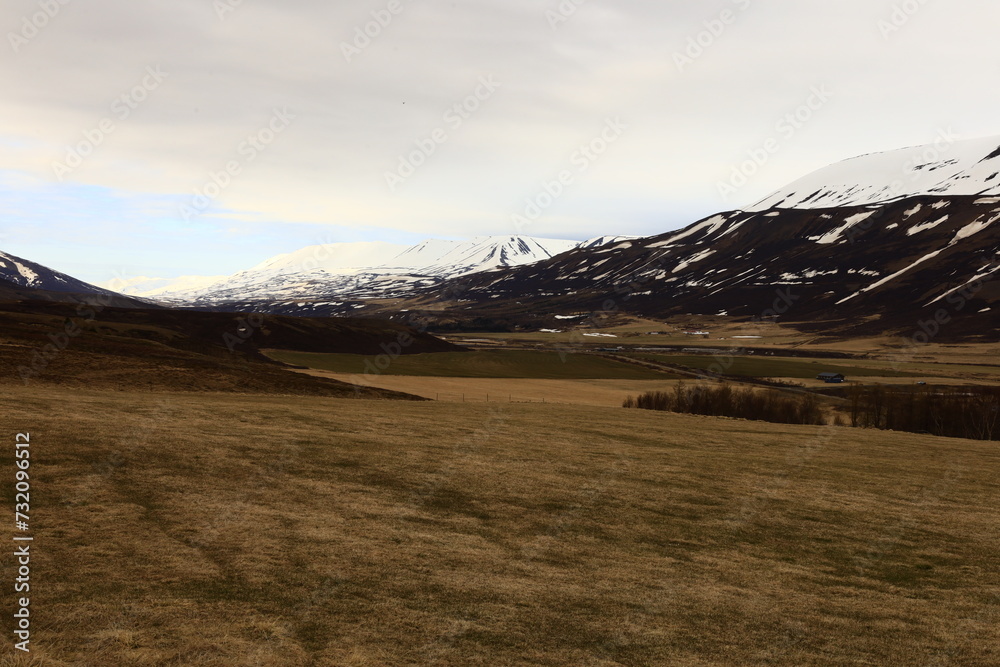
607	393
477	364
543	375
518	376
772	367
220	529
729	333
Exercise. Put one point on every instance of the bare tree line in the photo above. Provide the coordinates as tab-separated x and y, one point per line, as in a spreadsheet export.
726	401
957	412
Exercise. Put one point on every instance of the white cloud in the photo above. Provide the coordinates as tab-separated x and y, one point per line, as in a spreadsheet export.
686	128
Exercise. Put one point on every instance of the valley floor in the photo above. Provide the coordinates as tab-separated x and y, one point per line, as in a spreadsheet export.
602	392
222	529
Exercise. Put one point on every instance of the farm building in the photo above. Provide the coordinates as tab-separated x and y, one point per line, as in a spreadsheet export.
831	377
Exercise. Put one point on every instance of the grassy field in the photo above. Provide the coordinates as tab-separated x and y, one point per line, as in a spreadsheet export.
212	529
640	331
944	369
607	393
478	364
774	367
728	332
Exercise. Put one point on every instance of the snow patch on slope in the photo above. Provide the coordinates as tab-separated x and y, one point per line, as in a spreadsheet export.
835	234
916	229
710	226
894	275
31	278
693	259
973	228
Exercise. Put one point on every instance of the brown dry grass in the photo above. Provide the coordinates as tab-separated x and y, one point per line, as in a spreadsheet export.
179	529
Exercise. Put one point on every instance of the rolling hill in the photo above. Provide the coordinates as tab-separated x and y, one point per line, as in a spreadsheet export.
182	350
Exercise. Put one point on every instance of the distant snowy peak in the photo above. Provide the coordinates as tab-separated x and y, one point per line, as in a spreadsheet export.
142	286
432	257
487	253
947	167
369	269
333	257
333	261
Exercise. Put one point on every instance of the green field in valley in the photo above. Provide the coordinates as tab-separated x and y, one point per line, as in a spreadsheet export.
773	367
478	364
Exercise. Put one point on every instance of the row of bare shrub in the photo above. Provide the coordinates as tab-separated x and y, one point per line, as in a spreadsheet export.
723	400
958	412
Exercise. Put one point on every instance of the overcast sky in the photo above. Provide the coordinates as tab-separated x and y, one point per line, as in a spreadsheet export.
162	138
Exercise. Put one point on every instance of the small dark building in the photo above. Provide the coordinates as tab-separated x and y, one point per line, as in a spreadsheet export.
831	378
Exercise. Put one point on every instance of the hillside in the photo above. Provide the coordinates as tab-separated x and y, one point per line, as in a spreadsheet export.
23	273
133	349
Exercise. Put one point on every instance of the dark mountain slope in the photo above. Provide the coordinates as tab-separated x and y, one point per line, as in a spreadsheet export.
24	280
881	267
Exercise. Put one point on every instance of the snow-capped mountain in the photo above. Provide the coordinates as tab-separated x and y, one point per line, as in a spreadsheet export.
829	251
324	276
484	253
948	167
